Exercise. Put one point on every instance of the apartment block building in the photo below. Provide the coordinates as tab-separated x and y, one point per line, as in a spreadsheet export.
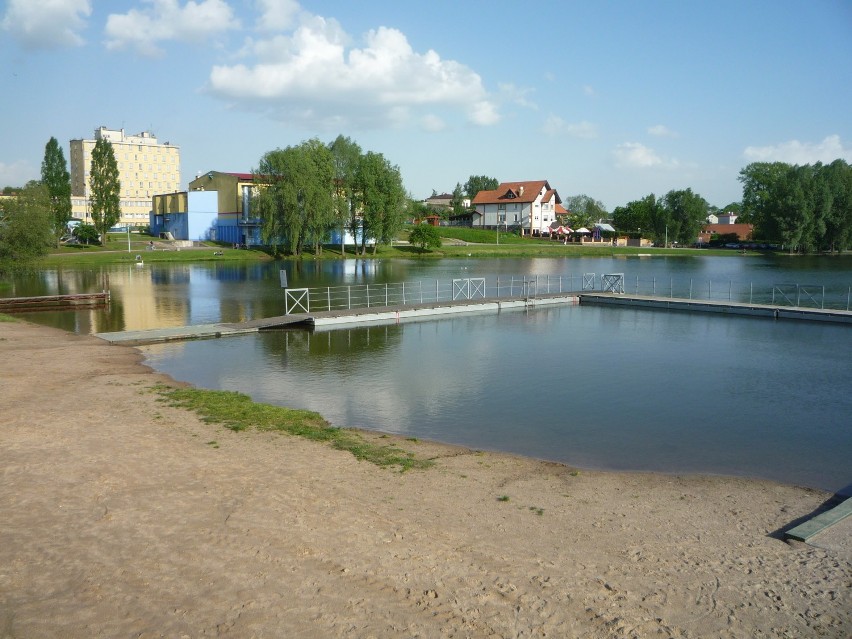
146	168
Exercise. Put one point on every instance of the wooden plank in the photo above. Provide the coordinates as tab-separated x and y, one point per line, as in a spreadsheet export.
817	524
46	302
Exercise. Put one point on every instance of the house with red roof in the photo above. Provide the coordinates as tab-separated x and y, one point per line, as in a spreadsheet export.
530	206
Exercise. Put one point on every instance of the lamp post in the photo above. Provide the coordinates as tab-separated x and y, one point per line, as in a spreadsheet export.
128	237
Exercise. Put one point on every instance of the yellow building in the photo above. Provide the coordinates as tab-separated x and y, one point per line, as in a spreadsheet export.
145	168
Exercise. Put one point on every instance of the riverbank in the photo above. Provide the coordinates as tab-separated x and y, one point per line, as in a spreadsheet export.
123	516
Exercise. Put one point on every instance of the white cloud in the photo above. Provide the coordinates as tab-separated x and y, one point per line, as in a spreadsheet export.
661	130
432	123
795	152
46	24
512	93
554	125
635	155
17	173
167	20
313	76
589	91
277	15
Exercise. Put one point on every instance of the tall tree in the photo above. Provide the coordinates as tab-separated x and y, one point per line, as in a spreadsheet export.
346	155
25	228
639	216
685	212
105	187
57	180
317	191
295	196
477	183
589	208
760	181
838	223
381	195
457	202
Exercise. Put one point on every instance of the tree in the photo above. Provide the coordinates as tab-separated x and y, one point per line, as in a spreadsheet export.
378	185
838	222
105	187
684	212
317	191
425	236
57	180
587	207
25	228
760	180
457	203
345	156
639	216
86	234
477	183
295	199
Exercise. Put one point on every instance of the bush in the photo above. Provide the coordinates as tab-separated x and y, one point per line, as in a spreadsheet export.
425	236
86	234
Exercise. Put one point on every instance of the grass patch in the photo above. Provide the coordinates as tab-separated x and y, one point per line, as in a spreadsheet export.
238	412
7	318
503	498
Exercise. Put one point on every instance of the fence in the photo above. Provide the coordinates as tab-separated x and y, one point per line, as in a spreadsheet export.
833	297
331	298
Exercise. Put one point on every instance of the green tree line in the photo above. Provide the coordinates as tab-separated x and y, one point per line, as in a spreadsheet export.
678	216
804	208
306	191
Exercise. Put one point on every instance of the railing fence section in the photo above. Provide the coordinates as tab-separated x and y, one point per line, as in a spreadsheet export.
331	298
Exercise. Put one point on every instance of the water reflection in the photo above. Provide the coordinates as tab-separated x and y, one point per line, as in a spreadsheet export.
596	387
163	295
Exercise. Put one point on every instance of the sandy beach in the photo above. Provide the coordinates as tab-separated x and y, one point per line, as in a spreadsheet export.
123	517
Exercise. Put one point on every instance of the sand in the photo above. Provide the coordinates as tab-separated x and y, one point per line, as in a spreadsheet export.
122	517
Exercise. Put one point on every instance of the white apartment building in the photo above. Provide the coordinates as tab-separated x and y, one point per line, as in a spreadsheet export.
145	168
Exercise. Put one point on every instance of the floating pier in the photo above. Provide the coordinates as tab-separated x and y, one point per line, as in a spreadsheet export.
713	306
336	319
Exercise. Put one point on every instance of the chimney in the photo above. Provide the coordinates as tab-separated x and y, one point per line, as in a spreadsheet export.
521	191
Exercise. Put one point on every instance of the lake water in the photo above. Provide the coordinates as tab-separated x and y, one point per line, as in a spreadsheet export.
594	387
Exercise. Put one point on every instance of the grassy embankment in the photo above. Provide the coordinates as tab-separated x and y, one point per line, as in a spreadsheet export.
457	242
238	412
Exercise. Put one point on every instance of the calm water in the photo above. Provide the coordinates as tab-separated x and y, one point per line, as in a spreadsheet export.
593	387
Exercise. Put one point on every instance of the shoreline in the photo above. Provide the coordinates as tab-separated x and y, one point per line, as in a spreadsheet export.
124	516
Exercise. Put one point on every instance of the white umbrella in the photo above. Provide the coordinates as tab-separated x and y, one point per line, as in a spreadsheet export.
582	230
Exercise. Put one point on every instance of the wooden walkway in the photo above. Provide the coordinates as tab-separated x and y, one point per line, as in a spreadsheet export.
52	302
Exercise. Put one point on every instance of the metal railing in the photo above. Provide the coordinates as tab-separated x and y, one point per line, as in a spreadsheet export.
333	298
830	297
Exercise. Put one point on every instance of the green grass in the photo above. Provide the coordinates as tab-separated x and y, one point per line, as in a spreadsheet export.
479	243
7	318
238	412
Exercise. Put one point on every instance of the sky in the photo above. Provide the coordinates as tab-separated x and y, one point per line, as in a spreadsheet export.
612	99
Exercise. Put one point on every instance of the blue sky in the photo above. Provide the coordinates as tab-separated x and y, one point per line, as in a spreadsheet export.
615	99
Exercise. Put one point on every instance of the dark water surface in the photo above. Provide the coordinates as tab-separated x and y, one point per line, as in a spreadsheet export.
594	387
